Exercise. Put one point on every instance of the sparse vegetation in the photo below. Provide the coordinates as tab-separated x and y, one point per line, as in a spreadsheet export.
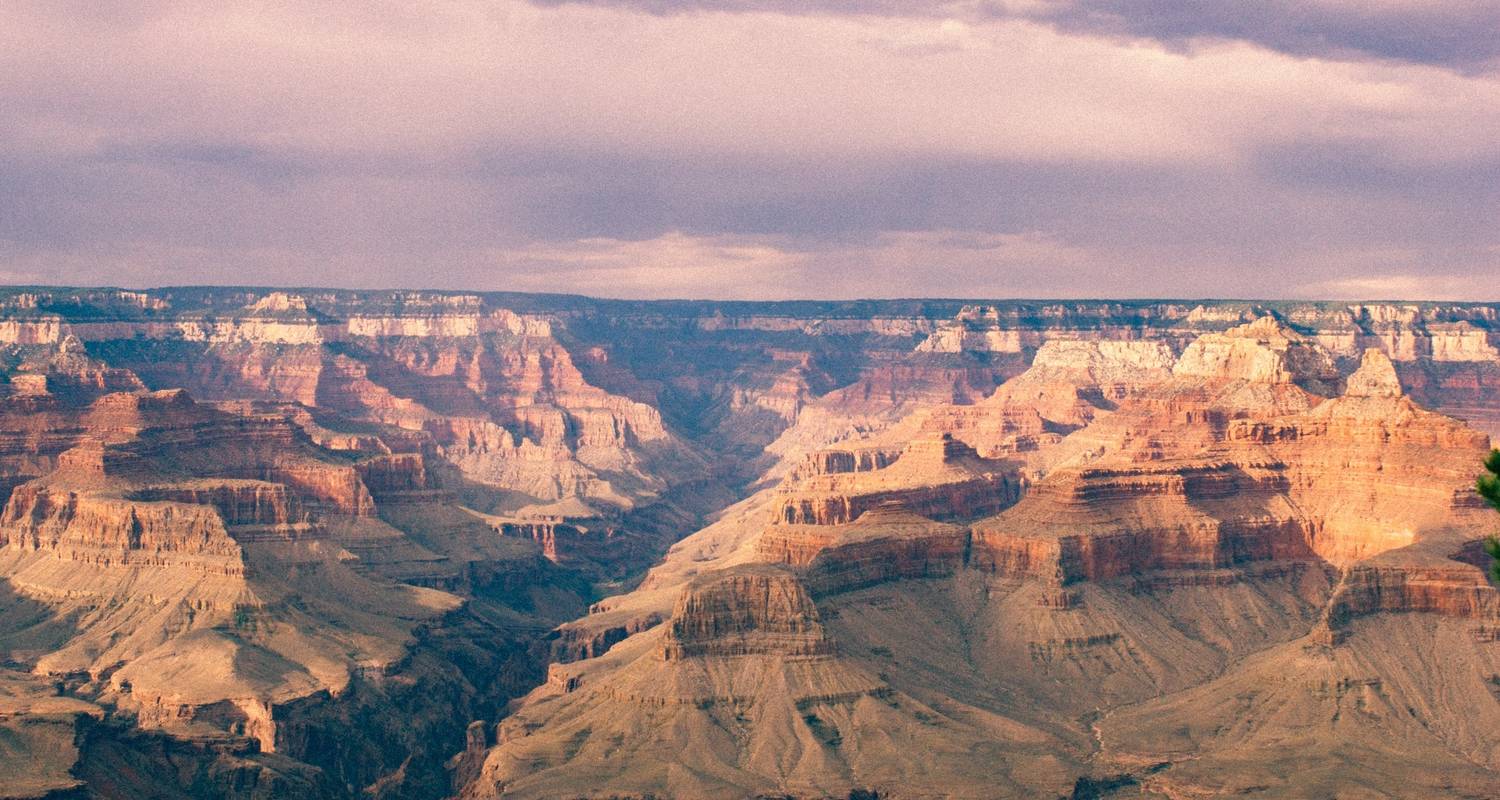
1488	487
1087	788
826	732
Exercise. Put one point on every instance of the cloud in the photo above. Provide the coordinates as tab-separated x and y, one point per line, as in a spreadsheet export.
1463	34
1396	287
900	263
672	265
1400	274
1460	34
848	149
380	84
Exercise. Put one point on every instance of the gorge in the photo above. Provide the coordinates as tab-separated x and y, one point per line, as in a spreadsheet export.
324	543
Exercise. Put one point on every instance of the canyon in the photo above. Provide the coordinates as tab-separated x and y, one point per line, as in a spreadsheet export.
264	543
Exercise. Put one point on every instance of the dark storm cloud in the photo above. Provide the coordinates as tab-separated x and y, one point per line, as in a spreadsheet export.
1463	34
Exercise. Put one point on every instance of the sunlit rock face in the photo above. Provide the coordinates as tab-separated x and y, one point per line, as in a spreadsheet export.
937	475
217	573
416	544
1161	502
1376	377
1264	351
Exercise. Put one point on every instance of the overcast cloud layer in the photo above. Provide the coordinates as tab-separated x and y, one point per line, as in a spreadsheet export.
758	148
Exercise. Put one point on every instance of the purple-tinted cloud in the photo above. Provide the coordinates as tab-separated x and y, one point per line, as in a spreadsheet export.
1464	34
1457	33
846	150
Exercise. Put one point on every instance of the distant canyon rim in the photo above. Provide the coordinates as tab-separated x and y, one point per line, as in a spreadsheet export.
315	543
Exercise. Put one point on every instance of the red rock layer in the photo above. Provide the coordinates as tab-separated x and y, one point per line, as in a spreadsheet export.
835	460
886	545
1098	523
575	644
747	610
239	502
564	540
105	531
1455	591
935	476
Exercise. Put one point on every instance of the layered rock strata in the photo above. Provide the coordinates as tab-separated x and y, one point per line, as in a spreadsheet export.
936	475
347	561
745	611
1249	497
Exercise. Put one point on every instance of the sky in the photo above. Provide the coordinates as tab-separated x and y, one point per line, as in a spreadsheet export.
758	149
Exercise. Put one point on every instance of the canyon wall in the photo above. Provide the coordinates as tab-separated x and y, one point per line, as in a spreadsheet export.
321	542
1113	525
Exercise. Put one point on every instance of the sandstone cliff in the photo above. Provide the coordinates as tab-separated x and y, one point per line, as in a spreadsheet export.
935	475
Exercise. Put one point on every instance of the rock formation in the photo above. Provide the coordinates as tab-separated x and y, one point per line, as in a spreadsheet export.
205	571
1173	510
324	543
749	610
1263	351
935	475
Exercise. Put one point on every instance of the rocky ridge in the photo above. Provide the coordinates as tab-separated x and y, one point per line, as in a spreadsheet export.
201	575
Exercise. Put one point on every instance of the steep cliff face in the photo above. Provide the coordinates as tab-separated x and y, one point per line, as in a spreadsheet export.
1110	365
103	530
66	371
1099	523
1349	478
1405	332
799	545
976	328
1068	385
885	545
1371	470
498	396
734	378
1434	586
935	475
833	461
514	413
155	505
745	611
884	394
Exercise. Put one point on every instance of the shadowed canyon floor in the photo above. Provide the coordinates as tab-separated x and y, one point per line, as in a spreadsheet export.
332	544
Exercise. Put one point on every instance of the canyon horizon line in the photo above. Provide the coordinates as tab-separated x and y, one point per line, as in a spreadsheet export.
560	294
